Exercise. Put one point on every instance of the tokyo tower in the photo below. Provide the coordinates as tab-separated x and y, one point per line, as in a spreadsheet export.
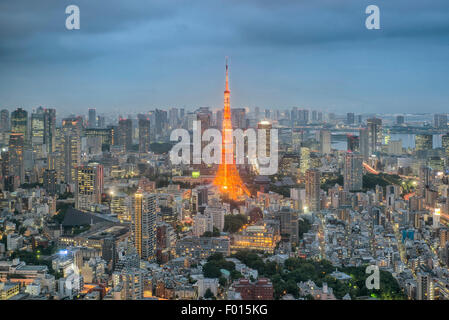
227	178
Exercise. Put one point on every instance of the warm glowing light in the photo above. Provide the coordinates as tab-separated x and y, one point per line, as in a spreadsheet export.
195	174
227	177
437	211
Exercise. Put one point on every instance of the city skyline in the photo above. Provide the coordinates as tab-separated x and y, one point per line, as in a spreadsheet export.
129	172
148	55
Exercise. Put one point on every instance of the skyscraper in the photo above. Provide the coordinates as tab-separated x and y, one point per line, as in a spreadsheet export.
15	149
374	126
50	129
304	160
19	122
440	121
425	286
353	143
125	131
205	117
266	125
445	144
144	135
37	126
132	280
173	118
423	142
400	120
120	206
353	172
325	141
71	149
89	185
313	177
219	119
161	121
92	121
350	118
4	120
49	181
364	143
238	118
144	225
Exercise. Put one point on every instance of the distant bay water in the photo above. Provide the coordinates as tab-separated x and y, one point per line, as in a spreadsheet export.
408	140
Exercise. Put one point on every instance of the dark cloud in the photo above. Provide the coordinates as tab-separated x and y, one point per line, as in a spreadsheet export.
161	35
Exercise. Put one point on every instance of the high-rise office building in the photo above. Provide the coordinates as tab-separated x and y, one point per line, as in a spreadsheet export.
89	186
19	122
423	142
445	144
288	223
294	115
425	286
144	135
400	120
440	121
71	150
325	141
161	121
205	117
120	206
16	159
4	120
350	118
314	116
37	126
304	162
267	126
92	120
257	113
101	122
49	181
353	143
50	129
173	118
144	225
238	118
364	143
313	177
303	116
132	281
353	172
374	126
219	119
125	133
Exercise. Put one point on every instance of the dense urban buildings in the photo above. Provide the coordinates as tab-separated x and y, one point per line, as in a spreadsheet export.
93	208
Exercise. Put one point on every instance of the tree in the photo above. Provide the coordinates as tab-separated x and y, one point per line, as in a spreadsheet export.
211	270
233	223
222	281
208	294
303	227
208	234
236	275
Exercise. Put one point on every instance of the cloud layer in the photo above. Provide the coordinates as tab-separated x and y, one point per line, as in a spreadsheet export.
144	54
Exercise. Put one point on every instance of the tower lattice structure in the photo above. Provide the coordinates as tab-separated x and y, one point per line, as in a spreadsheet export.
227	177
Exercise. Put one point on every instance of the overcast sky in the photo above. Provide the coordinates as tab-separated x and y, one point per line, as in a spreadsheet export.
136	55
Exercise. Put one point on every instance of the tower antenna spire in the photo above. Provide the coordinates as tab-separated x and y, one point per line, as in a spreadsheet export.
227	76
227	177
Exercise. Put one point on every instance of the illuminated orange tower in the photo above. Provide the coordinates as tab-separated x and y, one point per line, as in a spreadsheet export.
227	177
